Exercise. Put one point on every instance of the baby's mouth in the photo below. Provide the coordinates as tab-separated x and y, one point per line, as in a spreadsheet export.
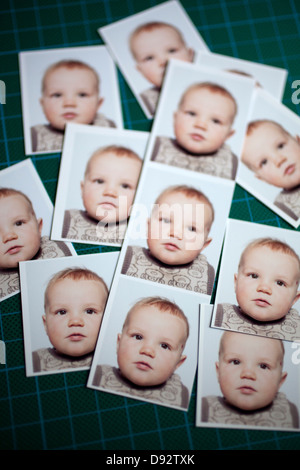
69	115
76	337
262	302
197	137
143	365
289	170
247	390
171	246
14	250
108	205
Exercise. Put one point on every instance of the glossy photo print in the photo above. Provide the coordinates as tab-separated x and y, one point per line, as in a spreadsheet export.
143	43
271	79
26	213
68	85
270	160
98	178
200	123
63	302
258	287
245	381
147	347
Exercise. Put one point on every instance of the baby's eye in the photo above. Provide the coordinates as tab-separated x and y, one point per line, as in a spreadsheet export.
216	121
165	220
192	228
263	163
281	145
172	50
61	312
125	186
264	366
280	283
90	311
235	362
83	94
253	275
56	95
165	346
190	113
148	58
99	181
19	223
138	337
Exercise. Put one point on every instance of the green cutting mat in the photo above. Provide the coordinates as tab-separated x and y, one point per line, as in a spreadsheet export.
58	411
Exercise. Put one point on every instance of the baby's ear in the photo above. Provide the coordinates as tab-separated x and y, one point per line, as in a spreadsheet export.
40	225
148	226
44	322
100	102
191	54
118	340
298	139
230	133
235	279
217	370
180	362
283	377
297	297
206	243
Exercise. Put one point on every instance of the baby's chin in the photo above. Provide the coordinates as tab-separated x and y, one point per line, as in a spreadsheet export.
5	266
76	353
62	126
139	382
104	218
14	263
198	150
109	220
262	318
291	186
173	260
244	405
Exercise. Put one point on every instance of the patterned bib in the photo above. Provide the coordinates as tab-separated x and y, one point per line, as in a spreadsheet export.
197	276
223	163
231	317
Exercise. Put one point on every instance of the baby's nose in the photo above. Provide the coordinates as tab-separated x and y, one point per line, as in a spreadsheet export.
176	231
76	320
201	122
248	373
265	287
110	190
280	160
163	59
147	349
9	235
69	100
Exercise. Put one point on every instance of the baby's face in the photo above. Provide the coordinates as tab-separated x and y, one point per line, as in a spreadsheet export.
20	231
203	121
266	284
109	187
70	95
153	49
178	229
73	315
250	370
273	155
150	346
